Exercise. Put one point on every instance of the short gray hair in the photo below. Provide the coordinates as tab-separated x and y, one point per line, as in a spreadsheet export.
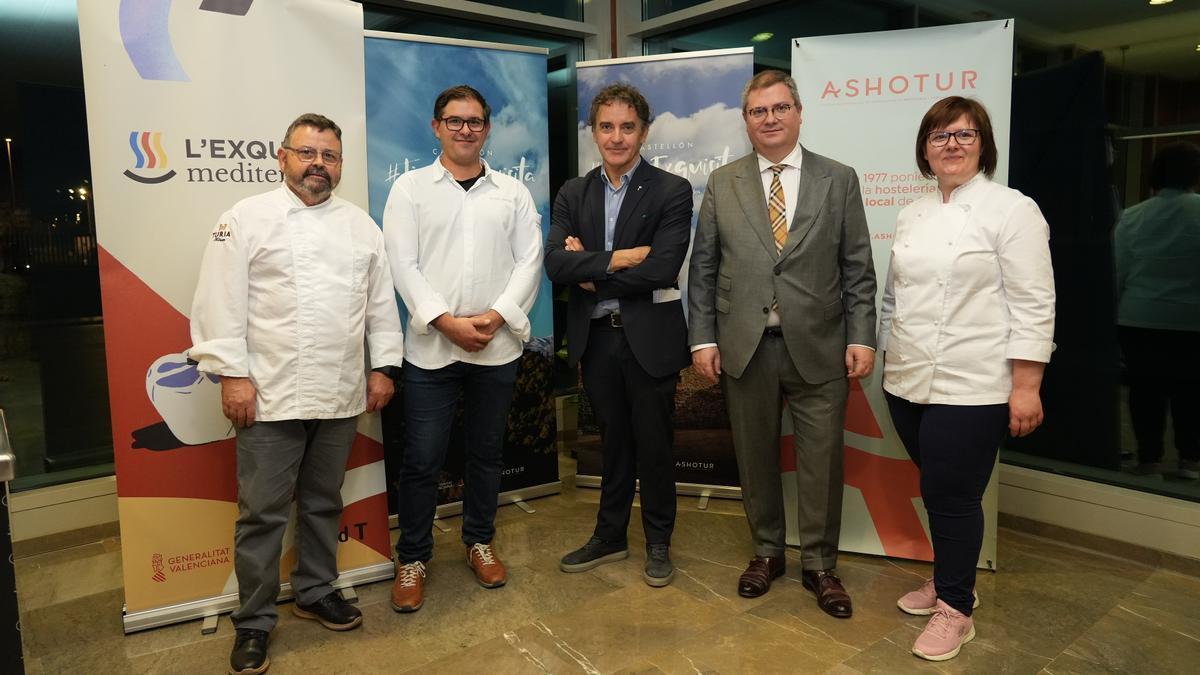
318	122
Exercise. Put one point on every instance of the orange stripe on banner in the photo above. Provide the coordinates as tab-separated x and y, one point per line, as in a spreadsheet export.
889	486
151	160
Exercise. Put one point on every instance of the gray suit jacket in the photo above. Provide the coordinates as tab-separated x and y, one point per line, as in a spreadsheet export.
824	277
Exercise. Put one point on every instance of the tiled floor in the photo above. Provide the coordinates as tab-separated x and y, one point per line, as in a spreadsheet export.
1051	609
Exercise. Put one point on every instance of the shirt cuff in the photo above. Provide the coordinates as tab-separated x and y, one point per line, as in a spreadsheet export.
425	313
703	345
385	349
225	356
863	346
514	317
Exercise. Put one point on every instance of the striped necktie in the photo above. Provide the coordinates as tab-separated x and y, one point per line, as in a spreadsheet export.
777	209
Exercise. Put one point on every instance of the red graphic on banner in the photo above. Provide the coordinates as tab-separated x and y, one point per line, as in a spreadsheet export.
139	327
859	418
888	485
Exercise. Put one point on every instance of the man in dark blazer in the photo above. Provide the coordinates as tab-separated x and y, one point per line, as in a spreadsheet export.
781	301
618	237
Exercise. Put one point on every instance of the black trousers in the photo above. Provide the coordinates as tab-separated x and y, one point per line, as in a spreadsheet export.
1162	369
955	448
633	409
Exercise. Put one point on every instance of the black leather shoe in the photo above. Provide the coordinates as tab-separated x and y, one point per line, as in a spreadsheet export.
658	571
332	611
249	656
832	597
593	554
757	578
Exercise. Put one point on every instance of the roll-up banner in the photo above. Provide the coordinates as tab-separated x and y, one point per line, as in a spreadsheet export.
187	103
404	75
696	101
864	96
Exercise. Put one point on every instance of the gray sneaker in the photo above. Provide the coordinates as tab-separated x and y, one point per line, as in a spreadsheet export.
659	570
594	553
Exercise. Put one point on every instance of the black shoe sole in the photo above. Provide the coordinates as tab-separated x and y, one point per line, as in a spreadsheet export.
304	614
830	612
658	582
758	594
593	563
252	671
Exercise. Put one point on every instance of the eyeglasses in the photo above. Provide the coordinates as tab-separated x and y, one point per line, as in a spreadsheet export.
780	109
456	123
307	155
963	137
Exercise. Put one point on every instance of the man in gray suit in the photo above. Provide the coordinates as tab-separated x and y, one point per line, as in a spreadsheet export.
781	300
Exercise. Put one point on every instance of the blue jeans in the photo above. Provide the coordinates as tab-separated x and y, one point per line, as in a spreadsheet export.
430	400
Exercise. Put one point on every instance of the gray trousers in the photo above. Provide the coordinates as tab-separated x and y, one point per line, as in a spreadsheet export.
276	460
755	404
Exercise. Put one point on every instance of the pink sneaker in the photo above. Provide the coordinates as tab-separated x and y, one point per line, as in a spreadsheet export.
947	631
922	601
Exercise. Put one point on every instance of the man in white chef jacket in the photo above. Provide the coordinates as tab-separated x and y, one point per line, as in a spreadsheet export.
465	245
293	286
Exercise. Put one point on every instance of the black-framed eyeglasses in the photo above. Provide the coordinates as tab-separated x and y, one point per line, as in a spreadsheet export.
307	155
456	123
780	109
963	137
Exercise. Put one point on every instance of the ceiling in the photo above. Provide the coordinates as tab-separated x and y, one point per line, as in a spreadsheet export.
1157	40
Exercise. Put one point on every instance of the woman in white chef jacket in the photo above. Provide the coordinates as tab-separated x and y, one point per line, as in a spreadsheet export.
966	326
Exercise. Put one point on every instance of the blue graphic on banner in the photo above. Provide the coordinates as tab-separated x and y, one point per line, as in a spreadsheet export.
696	129
403	80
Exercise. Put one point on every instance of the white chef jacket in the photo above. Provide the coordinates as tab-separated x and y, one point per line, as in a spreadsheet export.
463	252
288	295
969	287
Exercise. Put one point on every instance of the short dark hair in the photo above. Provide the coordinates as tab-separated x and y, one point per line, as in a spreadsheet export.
942	114
621	92
314	120
1176	166
457	93
770	78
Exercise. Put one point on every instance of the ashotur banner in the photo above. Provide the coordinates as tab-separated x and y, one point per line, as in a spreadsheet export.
187	103
864	96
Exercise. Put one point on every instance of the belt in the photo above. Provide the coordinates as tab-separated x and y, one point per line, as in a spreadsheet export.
773	331
609	320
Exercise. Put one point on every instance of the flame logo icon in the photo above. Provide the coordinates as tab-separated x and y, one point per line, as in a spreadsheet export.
148	153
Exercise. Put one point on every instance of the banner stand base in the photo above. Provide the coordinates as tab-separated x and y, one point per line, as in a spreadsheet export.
212	607
687	489
517	497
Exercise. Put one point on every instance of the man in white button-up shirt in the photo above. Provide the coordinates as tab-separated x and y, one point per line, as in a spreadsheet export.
465	244
293	286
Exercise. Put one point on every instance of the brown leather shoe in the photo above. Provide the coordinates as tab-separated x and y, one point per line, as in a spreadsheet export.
489	571
756	580
831	595
408	591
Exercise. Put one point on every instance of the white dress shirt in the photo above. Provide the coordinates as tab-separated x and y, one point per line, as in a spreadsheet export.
969	288
463	252
288	295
